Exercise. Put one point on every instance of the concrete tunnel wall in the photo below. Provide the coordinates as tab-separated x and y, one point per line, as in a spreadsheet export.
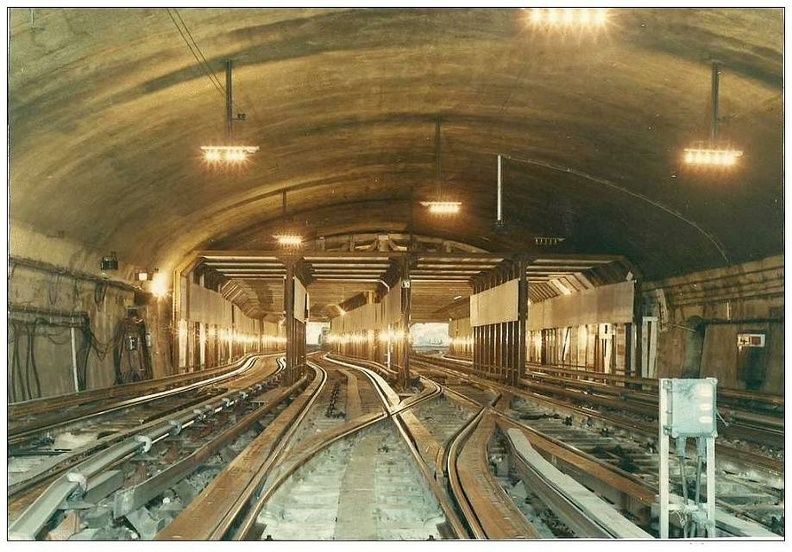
46	302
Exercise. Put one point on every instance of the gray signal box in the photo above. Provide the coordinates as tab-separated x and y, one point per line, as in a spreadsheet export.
691	411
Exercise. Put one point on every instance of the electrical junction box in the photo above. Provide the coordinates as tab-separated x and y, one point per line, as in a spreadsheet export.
691	407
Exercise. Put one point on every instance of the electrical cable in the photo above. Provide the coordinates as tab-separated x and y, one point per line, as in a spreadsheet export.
100	290
15	375
32	358
629	192
53	289
195	48
198	48
684	491
75	292
204	65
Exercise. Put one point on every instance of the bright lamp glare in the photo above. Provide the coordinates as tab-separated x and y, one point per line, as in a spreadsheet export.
714	157
442	207
227	154
292	240
569	17
159	285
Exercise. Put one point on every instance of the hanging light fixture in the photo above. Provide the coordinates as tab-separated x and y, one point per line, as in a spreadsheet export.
440	206
287	238
714	153
230	153
565	18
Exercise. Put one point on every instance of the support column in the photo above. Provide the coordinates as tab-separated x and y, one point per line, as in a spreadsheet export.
406	291
288	312
522	322
636	340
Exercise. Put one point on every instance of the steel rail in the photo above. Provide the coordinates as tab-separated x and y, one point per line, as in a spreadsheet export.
649	428
395	410
768	401
130	499
248	528
62	462
242	504
727	522
16	437
454	482
247	471
78	479
553	496
60	402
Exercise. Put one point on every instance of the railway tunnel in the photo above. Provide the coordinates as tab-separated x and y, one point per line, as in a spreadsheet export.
588	202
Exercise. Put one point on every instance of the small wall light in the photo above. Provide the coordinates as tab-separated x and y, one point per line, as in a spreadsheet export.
145	275
110	262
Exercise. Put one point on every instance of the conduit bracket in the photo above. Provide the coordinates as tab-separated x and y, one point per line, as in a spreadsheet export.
79	478
176	427
147	442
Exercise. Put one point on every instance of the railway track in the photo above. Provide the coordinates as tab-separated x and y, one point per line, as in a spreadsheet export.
341	455
756	418
30	419
112	479
580	440
41	449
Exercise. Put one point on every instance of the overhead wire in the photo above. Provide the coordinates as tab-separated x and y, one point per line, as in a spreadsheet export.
199	57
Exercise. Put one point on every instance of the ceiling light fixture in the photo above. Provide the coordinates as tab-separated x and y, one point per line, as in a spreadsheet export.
443	207
440	206
229	154
713	153
569	17
287	238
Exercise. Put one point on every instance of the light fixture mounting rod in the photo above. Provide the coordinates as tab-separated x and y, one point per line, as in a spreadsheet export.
500	189
715	87
229	102
437	155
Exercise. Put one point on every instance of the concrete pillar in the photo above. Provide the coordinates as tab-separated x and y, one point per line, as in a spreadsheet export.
404	343
522	320
288	311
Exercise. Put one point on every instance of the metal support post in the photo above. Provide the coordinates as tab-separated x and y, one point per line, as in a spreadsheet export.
74	359
663	460
229	103
711	487
715	87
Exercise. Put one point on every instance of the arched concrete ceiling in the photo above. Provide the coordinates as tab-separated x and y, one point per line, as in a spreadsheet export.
108	109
